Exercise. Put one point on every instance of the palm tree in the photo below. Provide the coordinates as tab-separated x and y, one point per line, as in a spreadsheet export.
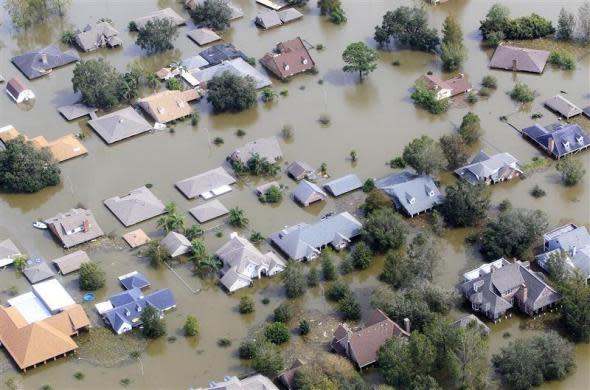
207	265
237	217
173	221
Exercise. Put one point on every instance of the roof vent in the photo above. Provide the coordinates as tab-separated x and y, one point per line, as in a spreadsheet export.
304	60
160	110
410	198
180	103
44	58
286	66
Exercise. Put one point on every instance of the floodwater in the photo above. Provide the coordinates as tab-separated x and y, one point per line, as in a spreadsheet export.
375	118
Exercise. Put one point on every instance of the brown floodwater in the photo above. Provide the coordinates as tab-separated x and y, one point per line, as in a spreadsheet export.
375	118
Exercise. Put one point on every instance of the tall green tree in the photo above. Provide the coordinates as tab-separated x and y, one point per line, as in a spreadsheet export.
157	35
294	280
231	93
409	28
465	204
470	129
173	221
566	25
575	307
384	230
24	168
453	52
153	326
92	277
584	21
424	155
360	58
214	14
455	150
572	170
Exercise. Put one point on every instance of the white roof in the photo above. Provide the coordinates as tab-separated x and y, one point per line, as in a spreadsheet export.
30	307
103	307
484	269
52	293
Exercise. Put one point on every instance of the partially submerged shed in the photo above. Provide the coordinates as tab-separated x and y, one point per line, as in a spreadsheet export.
307	193
562	106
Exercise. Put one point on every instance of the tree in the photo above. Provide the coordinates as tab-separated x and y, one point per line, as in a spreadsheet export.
489	82
453	52
246	305
572	170
267	360
424	155
512	233
497	25
328	267
327	6
349	308
92	277
191	326
313	277
214	14
195	231
426	98
455	150
566	25
346	265
584	21
283	313
237	217
465	204
418	263
157	35
408	27
527	363
112	89
153	326
174	84
562	59
376	200
26	13
294	281
247	350
156	253
522	93
268	94
24	168
338	16
384	230
361	256
338	291
272	195
173	221
575	307
230	92
496	21
20	263
256	237
277	333
360	58
470	129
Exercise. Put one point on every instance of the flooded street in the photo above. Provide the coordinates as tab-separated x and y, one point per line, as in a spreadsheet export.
375	118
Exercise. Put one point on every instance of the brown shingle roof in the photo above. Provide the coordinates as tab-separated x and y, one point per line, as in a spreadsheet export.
136	238
292	58
62	148
167	106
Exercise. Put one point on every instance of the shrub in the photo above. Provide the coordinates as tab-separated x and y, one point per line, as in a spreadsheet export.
471	97
338	16
174	84
132	26
489	82
338	290
409	28
368	185
79	375
20	263
256	237
247	350
497	25
424	155
470	129
214	14
283	313
231	93
157	35
349	308
277	333
313	277
218	141
538	192
455	150
328	267
267	360
265	301
294	281
92	277
304	327
397	162
287	132
346	266
324	119
562	60
68	37
195	231
376	200
191	326
361	256
246	305
426	99
272	195
268	94
223	342
571	169
522	93
237	217
384	230
240	133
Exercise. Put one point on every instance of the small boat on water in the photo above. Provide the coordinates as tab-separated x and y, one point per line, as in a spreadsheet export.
39	225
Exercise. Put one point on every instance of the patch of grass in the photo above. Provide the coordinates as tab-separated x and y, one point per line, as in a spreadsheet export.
535	164
103	347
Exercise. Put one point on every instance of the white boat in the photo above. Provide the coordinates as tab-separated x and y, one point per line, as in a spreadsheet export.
39	225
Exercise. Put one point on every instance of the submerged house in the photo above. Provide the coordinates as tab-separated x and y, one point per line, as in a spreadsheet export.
40	62
71	262
447	88
290	58
243	262
168	106
558	140
412	194
166	13
264	148
519	59
343	185
119	125
490	169
272	18
8	252
362	345
176	244
96	36
495	292
203	36
208	211
305	242
307	193
74	227
137	206
136	238
207	185
18	91
300	170
238	67
255	382
38	271
573	242
221	52
562	106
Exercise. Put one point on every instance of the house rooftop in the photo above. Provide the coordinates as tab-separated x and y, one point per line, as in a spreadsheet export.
136	238
133	280
53	295
519	59
176	244
137	206
74	227
40	62
220	52
94	36
208	211
166	106
265	148
71	262
8	251
307	192
37	271
411	193
562	141
343	184
166	13
485	168
562	106
300	170
207	184
255	382
203	36
291	58
119	125
236	66
75	111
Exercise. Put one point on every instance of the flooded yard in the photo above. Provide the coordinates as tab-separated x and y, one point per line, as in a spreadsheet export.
375	118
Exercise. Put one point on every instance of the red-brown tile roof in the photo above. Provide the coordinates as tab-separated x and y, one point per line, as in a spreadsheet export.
292	58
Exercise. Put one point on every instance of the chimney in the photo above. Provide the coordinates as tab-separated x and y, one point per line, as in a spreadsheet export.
525	293
461	75
44	58
514	65
407	325
550	145
574	250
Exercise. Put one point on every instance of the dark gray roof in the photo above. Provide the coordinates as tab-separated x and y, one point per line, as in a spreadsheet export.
71	262
265	148
307	192
119	125
563	106
216	54
484	167
289	15
75	111
194	63
410	192
205	182
299	170
39	62
238	67
81	221
343	184
268	19
300	241
38	272
208	211
566	139
98	35
137	206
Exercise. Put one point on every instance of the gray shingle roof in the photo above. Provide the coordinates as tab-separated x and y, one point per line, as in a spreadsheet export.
299	170
267	148
566	139
343	184
98	35
176	244
574	241
194	63
71	262
205	182
410	192
307	192
39	62
563	106
119	125
203	36
289	15
268	19
238	67
75	111
302	240
208	211
80	223
38	272
8	250
484	168
521	59
135	207
166	13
